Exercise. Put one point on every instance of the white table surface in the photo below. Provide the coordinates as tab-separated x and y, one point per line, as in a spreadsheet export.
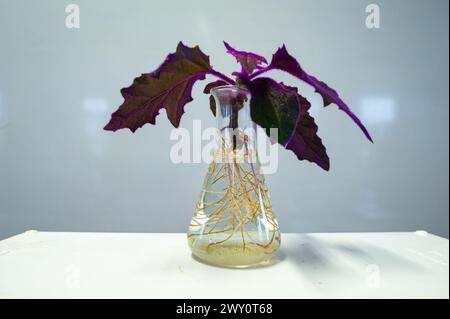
121	265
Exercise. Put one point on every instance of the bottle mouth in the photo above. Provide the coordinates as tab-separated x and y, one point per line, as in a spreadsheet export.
233	90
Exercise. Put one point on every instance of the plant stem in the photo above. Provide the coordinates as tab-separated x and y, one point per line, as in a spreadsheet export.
259	72
222	77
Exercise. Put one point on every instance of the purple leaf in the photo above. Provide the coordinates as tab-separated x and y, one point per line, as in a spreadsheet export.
282	60
169	87
305	143
248	60
207	90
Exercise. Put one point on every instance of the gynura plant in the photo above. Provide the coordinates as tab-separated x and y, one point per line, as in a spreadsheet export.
273	104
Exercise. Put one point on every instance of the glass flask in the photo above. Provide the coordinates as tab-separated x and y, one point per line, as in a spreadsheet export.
234	224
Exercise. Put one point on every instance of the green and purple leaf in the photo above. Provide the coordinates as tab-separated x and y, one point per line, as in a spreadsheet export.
248	60
277	105
305	143
283	61
273	106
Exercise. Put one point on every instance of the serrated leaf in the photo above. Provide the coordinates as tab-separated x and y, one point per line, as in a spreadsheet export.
282	60
167	87
305	143
248	60
273	106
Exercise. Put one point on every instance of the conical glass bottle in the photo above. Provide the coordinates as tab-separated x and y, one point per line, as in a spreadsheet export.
234	224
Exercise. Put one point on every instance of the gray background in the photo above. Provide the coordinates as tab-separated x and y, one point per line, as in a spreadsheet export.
60	171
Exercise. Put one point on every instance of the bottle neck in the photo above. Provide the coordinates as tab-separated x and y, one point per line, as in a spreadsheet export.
234	123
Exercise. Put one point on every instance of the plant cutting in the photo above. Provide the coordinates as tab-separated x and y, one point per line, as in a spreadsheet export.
234	224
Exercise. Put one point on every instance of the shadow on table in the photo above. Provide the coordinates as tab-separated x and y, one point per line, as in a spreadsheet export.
319	259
